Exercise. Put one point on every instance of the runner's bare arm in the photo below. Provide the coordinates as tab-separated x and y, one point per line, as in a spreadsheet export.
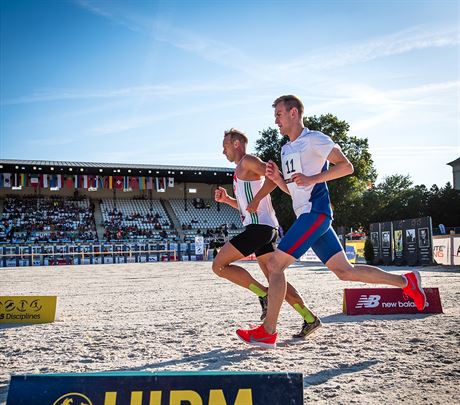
220	195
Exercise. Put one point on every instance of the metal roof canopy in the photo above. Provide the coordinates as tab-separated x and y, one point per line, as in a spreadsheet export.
181	174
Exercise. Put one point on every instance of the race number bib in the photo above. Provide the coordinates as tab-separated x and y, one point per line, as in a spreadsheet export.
291	164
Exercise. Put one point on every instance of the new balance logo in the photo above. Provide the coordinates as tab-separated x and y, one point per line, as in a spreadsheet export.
368	301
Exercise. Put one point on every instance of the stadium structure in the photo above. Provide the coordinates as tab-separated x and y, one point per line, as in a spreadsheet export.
56	212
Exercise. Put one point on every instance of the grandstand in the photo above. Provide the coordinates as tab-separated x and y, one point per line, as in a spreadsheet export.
63	209
206	217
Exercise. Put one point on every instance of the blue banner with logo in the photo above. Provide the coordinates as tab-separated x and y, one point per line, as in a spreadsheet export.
168	388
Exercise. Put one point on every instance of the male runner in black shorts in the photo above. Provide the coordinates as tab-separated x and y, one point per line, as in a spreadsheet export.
261	226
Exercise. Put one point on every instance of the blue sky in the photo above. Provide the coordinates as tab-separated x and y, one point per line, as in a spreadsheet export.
158	82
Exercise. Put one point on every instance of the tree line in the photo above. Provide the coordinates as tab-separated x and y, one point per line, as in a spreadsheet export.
357	201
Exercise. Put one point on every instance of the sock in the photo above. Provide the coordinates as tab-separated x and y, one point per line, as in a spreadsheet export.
305	313
257	291
406	280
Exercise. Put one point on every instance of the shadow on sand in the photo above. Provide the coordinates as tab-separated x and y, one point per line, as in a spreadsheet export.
323	376
342	318
213	360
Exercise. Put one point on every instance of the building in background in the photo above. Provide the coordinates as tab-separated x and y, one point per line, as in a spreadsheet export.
456	173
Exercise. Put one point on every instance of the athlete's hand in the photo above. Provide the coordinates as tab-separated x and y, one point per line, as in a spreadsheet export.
220	195
303	181
272	171
252	206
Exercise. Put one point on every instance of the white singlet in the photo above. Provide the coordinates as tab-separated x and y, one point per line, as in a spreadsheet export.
244	193
307	155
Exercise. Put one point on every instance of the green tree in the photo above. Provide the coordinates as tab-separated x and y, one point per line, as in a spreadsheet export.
397	198
444	205
394	198
346	192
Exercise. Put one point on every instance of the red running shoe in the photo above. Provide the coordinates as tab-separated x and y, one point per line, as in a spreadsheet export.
414	289
258	337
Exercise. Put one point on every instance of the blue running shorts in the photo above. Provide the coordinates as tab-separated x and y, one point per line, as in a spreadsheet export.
311	230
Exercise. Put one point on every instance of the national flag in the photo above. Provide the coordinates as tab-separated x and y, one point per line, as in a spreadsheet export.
119	182
16	180
133	183
53	181
141	183
160	184
7	180
91	182
170	182
44	181
59	181
110	182
68	181
24	180
100	182
85	181
34	180
149	183
125	182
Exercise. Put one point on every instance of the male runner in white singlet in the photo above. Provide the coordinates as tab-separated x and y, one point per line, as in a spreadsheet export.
261	226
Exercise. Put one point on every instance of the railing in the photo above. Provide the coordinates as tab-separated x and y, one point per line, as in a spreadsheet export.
72	258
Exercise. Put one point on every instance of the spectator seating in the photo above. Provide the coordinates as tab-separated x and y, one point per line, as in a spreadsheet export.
125	219
208	215
47	219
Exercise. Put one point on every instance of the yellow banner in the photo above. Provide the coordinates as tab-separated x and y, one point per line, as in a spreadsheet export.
27	309
355	250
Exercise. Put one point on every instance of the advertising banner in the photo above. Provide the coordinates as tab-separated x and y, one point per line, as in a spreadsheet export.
199	247
398	244
384	301
424	241
374	230
355	250
410	241
309	256
386	229
168	388
441	250
456	251
27	309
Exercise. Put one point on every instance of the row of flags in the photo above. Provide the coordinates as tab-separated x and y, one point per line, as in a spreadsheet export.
58	181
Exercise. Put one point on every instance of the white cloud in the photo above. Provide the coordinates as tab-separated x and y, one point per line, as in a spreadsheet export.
414	38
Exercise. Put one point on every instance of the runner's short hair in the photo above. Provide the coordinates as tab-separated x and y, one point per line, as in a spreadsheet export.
236	134
290	102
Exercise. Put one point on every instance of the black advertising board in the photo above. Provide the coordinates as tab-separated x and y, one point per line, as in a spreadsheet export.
374	230
410	241
386	231
398	243
424	233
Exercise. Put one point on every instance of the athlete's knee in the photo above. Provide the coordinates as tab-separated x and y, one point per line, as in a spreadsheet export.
218	267
273	267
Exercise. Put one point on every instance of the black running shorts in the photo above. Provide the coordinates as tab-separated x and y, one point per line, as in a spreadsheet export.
258	239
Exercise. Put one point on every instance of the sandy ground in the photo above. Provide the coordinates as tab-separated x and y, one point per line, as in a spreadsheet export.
179	316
